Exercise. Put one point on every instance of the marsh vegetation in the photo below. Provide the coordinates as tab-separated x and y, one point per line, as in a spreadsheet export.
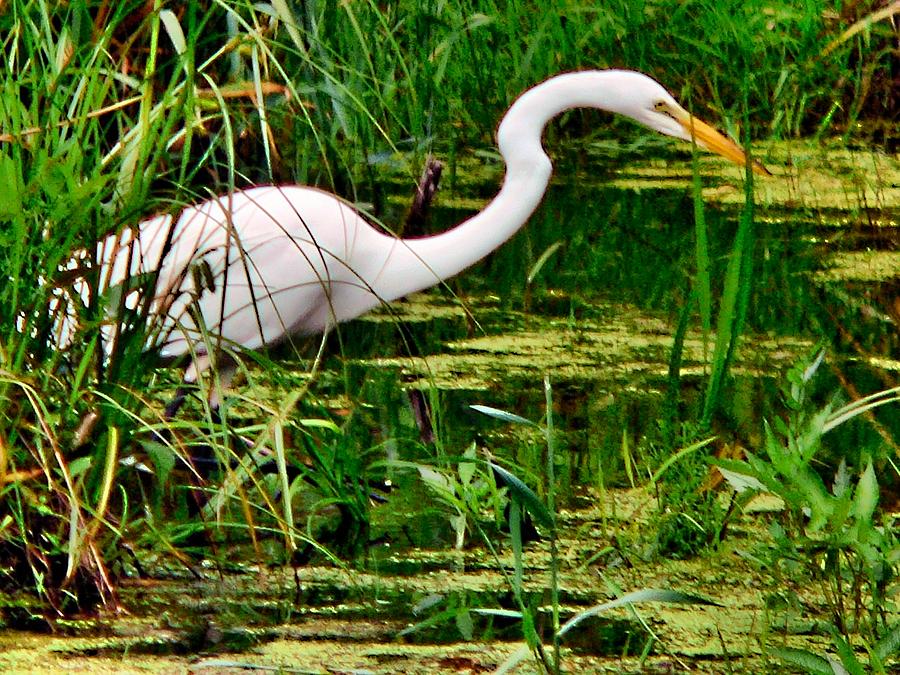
684	381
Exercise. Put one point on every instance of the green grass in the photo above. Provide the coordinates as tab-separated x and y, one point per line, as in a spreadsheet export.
109	113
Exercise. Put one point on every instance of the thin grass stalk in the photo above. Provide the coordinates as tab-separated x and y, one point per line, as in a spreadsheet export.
670	412
531	636
861	406
250	522
724	327
515	534
551	507
109	478
137	157
672	459
261	110
281	462
702	288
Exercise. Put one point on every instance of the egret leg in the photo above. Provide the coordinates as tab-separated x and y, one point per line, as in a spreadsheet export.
225	368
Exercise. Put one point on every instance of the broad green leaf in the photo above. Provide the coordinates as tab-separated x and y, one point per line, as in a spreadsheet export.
465	625
841	480
866	498
740	482
518	490
466	470
173	29
814	494
434	479
79	465
764	472
845	652
775	451
809	662
11	195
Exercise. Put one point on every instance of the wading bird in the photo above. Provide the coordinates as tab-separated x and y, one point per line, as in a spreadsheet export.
254	267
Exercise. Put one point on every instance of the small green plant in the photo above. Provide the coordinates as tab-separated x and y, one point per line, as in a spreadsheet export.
835	533
470	492
463	494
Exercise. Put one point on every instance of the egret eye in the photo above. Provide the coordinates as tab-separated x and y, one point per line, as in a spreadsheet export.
663	108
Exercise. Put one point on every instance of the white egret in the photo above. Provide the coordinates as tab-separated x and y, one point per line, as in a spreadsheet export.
251	268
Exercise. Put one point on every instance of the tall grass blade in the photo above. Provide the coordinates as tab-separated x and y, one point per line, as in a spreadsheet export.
541	261
173	30
861	406
702	283
671	402
684	452
849	663
735	300
551	508
515	535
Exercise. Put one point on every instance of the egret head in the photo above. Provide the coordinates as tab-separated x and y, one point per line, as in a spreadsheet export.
645	100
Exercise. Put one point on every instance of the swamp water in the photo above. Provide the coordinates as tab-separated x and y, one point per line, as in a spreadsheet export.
597	319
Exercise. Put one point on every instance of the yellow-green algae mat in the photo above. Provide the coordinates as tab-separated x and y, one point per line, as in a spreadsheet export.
628	347
359	636
826	180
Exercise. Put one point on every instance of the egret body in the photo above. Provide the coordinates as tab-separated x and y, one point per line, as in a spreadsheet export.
251	268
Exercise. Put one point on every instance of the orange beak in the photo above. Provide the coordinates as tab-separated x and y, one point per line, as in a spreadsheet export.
710	139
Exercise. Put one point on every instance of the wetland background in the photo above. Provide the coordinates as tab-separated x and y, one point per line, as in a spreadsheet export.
692	361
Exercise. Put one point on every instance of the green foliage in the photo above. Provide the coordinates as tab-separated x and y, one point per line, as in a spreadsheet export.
524	501
878	656
835	533
471	494
91	133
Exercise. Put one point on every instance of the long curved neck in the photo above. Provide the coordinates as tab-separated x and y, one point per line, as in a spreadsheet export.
415	264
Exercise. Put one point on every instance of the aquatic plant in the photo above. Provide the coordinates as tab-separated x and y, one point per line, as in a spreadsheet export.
836	534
